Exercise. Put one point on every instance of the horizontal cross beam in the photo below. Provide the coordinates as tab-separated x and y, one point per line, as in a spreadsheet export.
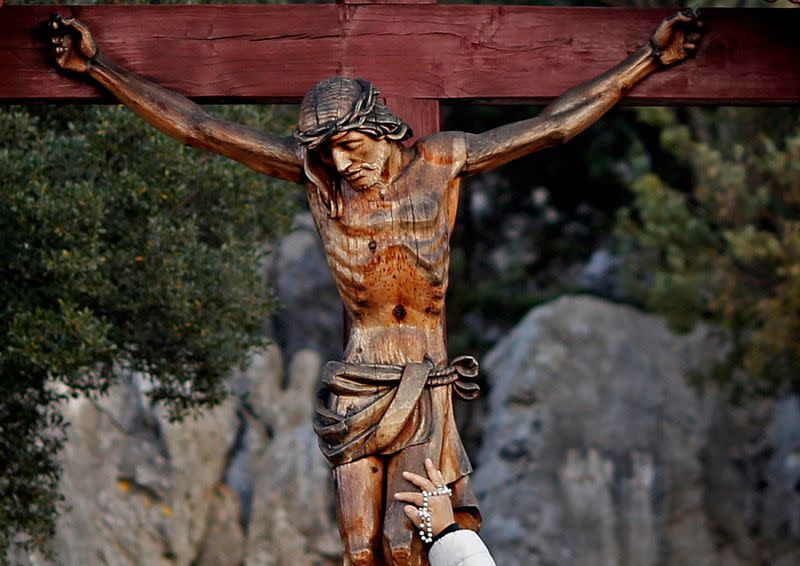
504	54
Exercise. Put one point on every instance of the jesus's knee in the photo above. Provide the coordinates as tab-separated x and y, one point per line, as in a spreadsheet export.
401	556
361	557
400	544
405	552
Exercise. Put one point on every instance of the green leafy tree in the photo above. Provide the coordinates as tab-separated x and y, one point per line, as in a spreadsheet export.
122	251
725	248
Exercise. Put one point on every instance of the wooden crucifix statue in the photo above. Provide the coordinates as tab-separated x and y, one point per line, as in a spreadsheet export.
385	212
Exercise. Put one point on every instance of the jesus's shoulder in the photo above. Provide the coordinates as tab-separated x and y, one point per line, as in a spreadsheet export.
443	149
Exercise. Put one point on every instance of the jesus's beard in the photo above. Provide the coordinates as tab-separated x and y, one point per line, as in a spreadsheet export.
368	173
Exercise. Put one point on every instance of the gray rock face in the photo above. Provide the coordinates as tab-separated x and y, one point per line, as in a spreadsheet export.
279	471
289	523
138	487
753	487
311	316
594	451
597	452
223	542
242	484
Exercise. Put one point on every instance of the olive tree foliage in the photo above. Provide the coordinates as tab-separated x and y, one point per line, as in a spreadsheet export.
723	244
122	251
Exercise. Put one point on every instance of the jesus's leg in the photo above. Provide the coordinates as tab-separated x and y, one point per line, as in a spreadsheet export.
401	543
359	490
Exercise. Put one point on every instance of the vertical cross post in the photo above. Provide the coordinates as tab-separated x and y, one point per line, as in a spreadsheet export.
422	114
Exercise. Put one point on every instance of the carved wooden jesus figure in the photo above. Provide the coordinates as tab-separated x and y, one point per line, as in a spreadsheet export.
385	213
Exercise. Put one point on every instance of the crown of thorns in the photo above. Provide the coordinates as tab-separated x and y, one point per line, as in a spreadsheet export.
340	104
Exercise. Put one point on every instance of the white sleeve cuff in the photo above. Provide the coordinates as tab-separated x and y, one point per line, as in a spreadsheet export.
460	548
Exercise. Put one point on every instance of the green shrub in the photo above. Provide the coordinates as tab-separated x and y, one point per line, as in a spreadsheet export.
727	249
122	251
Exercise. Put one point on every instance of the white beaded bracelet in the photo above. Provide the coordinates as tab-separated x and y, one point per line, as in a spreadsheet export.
426	526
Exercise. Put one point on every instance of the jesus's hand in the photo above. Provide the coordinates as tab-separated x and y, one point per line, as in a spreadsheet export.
677	37
73	45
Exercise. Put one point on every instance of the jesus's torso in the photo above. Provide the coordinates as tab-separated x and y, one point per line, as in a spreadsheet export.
389	254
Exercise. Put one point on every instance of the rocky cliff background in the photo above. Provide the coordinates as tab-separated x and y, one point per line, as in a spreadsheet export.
590	446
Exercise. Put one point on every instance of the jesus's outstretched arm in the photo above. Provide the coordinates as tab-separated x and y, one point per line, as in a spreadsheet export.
74	49
579	107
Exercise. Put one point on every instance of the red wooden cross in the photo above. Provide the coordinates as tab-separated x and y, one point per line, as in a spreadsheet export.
417	53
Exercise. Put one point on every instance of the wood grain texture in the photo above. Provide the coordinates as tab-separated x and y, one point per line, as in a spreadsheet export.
487	53
367	2
421	114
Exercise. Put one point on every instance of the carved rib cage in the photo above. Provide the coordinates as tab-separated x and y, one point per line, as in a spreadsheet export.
389	254
395	254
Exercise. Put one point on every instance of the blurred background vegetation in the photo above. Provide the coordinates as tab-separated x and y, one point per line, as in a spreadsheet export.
122	249
693	213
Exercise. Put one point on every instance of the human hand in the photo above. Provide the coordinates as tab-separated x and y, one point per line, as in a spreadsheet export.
439	506
677	37
73	46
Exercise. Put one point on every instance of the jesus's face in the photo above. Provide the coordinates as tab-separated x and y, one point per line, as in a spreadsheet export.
358	158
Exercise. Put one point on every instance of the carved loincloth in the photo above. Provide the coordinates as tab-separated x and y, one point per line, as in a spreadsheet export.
366	409
371	409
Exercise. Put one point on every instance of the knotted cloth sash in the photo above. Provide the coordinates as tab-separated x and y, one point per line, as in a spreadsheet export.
364	409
